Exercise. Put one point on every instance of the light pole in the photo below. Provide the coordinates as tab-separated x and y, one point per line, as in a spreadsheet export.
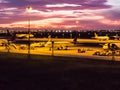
29	8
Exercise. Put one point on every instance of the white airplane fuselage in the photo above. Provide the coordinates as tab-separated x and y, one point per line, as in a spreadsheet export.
24	35
101	37
59	45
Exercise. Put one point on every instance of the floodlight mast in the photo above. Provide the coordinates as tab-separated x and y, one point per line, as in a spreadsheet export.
29	8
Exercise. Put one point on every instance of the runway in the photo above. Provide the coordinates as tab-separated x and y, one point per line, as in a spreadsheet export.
72	52
80	42
68	40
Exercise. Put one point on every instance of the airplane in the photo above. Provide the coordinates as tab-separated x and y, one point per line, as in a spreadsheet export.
109	49
57	44
116	37
37	44
11	36
3	42
21	36
5	38
5	34
8	38
111	46
60	45
100	37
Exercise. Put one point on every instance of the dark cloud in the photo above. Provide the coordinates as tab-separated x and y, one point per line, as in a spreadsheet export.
85	4
16	3
40	4
112	14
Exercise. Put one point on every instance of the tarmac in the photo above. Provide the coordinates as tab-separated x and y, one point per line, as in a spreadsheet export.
77	52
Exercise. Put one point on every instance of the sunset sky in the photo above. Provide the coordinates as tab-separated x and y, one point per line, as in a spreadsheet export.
68	14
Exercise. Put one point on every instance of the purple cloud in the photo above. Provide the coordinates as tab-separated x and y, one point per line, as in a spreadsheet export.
84	4
77	7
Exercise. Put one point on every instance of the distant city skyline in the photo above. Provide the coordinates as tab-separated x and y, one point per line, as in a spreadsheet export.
63	14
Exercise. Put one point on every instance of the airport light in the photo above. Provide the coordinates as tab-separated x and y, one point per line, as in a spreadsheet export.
29	8
77	22
79	35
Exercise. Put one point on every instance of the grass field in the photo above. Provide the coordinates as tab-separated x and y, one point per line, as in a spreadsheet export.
57	73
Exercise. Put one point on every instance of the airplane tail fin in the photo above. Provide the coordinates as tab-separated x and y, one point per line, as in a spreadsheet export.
95	34
8	32
116	35
49	38
106	34
8	35
12	35
48	43
75	40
